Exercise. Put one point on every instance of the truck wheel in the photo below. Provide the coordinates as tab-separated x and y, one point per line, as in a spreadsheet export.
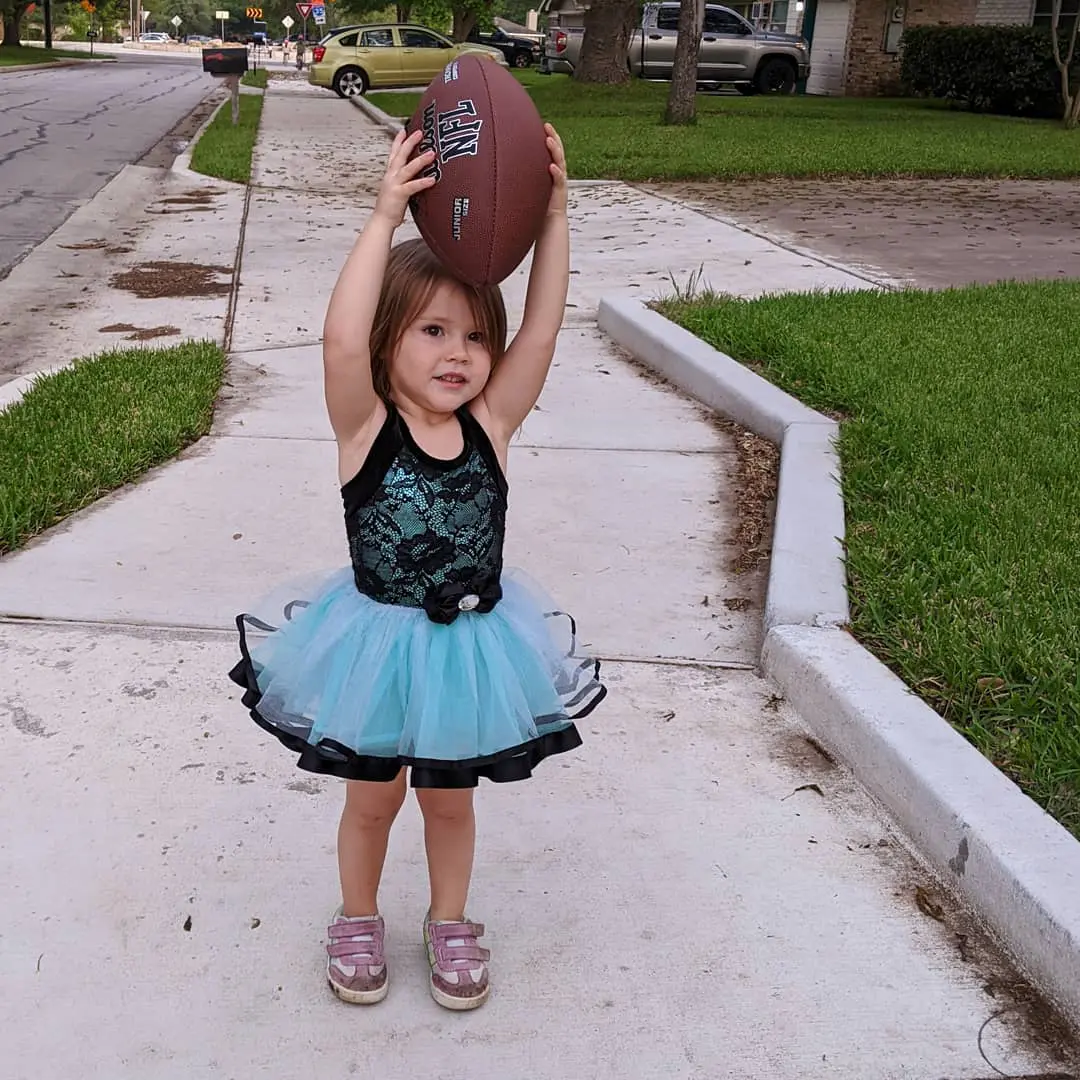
522	60
775	76
350	82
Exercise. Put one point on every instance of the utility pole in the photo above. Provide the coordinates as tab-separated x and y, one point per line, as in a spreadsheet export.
47	16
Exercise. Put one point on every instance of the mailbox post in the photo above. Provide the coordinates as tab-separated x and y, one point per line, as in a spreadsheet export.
228	64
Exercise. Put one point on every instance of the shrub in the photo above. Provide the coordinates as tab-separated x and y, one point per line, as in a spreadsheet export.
994	69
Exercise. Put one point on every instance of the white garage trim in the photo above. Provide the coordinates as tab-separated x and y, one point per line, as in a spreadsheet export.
828	52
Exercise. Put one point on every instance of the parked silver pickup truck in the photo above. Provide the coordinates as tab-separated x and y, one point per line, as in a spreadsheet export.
732	51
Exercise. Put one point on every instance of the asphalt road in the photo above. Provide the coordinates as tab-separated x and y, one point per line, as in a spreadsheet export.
65	132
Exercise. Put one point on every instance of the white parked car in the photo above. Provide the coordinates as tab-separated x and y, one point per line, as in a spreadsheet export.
154	38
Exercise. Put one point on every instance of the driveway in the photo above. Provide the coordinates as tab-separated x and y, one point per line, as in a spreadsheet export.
932	233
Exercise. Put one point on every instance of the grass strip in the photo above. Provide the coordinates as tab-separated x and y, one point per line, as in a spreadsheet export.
224	151
33	55
616	133
258	78
960	442
85	430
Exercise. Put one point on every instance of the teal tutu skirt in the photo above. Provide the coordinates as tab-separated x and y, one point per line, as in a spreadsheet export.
360	689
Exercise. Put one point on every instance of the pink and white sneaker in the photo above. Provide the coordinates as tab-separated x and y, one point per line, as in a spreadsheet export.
459	974
356	960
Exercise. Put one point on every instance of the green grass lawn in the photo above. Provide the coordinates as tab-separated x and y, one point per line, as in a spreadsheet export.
962	491
86	430
615	132
225	151
28	55
255	78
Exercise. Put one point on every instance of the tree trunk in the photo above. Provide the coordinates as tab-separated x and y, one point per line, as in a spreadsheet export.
13	18
682	97
464	21
404	11
605	46
1070	97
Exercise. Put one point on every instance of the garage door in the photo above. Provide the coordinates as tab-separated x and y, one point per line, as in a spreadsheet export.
829	47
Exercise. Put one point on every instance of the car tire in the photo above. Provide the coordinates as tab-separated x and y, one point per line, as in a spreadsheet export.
776	76
350	82
522	60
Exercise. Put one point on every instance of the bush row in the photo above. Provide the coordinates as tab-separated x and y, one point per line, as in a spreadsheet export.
994	69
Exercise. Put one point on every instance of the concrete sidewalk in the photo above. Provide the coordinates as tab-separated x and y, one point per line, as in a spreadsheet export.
697	893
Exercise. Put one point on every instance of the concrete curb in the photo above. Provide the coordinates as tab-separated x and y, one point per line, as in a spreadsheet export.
181	165
14	69
1015	865
12	392
1017	868
807	583
373	112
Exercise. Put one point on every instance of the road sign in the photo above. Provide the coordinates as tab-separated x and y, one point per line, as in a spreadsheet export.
176	20
221	16
304	9
254	12
287	22
318	13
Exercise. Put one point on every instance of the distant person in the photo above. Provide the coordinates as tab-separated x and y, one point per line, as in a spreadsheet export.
423	654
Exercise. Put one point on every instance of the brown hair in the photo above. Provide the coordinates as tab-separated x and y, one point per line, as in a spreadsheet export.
412	276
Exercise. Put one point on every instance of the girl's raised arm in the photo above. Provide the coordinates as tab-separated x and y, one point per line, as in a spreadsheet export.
514	388
350	395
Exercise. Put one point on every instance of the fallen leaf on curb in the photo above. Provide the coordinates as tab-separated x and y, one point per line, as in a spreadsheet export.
187	923
805	787
928	905
256	923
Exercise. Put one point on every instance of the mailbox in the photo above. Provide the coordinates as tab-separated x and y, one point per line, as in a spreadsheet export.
228	61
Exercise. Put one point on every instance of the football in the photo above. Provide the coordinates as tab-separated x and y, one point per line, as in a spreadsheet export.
491	163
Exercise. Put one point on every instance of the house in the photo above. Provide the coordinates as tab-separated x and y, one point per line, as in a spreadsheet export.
855	44
782	15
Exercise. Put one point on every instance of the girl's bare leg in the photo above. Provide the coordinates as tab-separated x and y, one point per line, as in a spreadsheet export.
363	835
450	839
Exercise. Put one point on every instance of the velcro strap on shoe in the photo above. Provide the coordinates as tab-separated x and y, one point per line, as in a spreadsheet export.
354	929
454	953
452	931
362	950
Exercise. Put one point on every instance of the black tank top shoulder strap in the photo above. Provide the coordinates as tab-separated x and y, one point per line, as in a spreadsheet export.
475	433
388	443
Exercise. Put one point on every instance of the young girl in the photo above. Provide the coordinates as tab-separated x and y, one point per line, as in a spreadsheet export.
423	653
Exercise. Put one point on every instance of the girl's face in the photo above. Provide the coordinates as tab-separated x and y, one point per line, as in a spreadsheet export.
442	361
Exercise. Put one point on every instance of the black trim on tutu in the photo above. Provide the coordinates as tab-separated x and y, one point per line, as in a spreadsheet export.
331	758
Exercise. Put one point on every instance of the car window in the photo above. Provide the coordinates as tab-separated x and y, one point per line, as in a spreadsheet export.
419	39
374	39
667	18
348	41
718	21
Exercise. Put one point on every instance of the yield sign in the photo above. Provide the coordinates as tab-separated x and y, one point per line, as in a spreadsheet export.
304	9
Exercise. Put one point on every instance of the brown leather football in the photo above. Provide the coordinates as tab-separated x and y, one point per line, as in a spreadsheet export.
486	210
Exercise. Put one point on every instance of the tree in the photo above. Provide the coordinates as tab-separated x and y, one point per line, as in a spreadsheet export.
1070	94
434	13
12	13
467	13
517	11
606	45
682	97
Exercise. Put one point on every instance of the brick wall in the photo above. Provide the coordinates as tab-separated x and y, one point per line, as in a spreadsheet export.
998	12
872	71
